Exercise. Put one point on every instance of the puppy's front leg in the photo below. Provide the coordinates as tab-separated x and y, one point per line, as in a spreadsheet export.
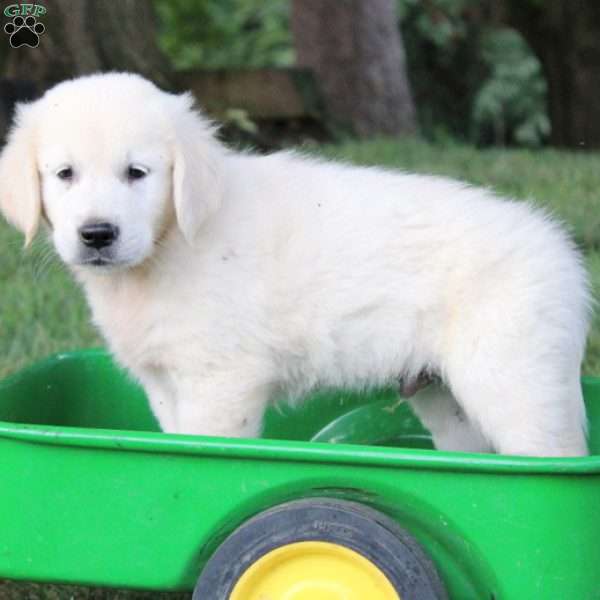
160	396
229	404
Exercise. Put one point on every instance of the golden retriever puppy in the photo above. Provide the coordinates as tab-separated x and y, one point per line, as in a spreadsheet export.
220	278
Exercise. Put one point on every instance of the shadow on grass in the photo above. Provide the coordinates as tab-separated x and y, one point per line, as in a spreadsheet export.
10	590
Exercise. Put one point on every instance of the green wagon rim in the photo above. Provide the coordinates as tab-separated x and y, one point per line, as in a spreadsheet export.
275	450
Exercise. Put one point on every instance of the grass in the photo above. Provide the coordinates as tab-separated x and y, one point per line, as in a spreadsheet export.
565	182
34	591
42	311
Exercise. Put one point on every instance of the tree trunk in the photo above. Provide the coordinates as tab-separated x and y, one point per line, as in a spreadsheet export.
564	36
355	50
91	35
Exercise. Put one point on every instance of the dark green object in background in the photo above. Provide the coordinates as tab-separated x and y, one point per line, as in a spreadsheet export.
92	493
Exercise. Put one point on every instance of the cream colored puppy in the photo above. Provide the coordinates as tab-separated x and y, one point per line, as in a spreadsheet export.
220	278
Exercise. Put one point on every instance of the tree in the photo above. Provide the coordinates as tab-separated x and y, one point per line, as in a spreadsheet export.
564	36
91	35
354	48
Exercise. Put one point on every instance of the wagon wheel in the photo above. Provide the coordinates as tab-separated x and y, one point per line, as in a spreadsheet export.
319	548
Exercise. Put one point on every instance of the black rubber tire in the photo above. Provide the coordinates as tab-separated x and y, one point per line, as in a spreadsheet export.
349	524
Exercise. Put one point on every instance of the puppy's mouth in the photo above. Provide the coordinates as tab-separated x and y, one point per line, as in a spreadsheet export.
99	259
121	255
105	260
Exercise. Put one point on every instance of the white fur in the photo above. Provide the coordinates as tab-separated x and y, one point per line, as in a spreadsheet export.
239	276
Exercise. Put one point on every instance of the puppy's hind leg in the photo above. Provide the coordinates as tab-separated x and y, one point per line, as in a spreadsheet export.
439	412
525	415
512	361
522	391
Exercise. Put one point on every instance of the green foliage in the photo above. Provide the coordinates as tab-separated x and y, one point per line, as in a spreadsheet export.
471	81
441	22
511	104
225	33
442	50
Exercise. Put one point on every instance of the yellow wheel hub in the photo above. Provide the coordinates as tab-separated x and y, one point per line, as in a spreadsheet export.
313	571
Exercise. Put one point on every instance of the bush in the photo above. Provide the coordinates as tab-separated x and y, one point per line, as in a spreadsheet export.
225	34
510	105
471	80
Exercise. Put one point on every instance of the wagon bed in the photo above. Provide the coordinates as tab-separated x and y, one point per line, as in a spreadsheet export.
93	493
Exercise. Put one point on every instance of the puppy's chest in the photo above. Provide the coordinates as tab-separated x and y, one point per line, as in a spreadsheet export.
144	332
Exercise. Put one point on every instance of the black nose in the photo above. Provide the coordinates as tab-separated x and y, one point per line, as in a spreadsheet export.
98	235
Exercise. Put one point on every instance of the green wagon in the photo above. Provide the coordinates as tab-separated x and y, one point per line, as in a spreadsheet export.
93	494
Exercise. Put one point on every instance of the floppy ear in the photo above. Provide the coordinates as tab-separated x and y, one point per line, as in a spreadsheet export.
20	195
197	187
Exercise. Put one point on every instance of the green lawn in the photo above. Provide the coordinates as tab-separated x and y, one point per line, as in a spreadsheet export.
568	183
42	311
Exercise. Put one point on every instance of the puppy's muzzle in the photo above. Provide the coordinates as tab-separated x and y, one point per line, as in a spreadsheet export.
98	235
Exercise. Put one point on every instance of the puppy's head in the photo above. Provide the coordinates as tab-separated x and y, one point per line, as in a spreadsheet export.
107	161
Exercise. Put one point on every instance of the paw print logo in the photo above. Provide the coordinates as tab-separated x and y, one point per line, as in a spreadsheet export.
24	32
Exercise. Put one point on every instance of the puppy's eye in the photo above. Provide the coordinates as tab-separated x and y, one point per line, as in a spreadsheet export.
66	173
136	172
